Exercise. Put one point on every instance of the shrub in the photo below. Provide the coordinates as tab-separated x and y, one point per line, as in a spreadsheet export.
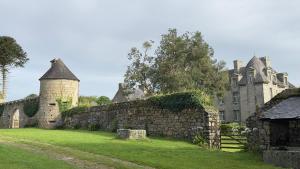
31	107
75	110
64	104
179	101
200	140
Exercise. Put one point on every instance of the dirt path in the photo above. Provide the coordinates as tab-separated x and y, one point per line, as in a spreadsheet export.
78	159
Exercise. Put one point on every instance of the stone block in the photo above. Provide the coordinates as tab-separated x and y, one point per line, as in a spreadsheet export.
131	134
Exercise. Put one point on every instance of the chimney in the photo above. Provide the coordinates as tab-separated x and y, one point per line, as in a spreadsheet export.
53	61
267	61
237	65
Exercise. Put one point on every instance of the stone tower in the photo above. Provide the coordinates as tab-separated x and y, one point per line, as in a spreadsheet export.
59	89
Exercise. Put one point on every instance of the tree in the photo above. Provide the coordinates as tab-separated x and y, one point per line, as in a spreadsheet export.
140	71
181	62
11	56
102	100
31	96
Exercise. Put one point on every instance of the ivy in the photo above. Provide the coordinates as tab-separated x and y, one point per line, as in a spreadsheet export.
175	102
64	104
182	100
31	107
75	110
1	110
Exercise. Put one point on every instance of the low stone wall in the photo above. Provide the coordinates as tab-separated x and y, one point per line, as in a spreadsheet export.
13	115
157	121
286	159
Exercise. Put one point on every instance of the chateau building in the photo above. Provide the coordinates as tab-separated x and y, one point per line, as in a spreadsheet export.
250	87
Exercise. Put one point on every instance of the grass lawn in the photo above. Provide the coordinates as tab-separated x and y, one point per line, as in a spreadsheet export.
154	152
14	158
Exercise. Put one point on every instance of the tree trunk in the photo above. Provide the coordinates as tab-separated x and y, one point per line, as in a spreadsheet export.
4	71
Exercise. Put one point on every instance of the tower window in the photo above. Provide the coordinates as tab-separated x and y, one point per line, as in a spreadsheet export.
52	104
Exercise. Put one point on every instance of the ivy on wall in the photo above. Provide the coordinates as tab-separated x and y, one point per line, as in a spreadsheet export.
181	100
64	104
1	110
175	102
31	107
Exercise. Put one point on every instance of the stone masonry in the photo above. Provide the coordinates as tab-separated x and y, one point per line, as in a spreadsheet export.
156	121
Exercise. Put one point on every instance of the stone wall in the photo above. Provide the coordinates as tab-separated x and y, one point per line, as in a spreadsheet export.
52	90
157	121
13	115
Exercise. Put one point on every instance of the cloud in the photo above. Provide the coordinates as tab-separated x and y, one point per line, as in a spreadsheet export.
93	37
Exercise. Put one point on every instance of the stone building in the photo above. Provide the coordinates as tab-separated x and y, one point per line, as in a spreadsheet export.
274	130
59	88
250	87
124	94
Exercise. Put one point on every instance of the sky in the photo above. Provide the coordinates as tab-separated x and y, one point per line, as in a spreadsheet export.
93	37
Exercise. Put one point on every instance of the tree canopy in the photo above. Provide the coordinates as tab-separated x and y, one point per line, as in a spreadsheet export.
11	56
180	63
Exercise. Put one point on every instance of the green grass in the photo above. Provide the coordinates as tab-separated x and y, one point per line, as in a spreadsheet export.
14	158
155	152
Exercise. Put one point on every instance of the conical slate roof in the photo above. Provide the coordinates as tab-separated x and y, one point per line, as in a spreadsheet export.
59	70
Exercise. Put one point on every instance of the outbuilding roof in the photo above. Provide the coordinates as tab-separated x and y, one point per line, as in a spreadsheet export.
285	105
286	109
59	70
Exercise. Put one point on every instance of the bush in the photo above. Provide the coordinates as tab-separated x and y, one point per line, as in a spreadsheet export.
75	110
200	141
31	107
179	101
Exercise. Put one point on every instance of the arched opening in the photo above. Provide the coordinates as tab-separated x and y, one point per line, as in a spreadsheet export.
16	119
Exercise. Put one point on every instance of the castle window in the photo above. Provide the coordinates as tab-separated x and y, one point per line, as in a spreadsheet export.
236	115
52	104
235	97
222	115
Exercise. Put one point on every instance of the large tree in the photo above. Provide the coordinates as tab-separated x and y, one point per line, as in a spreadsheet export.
11	56
140	71
183	62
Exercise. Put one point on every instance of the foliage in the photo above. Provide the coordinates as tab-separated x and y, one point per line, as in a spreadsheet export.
153	152
102	100
140	71
181	62
200	141
232	128
75	110
181	100
11	55
31	107
64	104
31	96
1	110
94	127
88	101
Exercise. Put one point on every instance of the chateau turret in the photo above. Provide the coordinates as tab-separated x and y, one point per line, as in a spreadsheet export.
59	90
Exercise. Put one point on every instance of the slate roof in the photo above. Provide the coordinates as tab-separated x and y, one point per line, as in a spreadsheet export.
259	77
286	109
59	70
123	94
285	105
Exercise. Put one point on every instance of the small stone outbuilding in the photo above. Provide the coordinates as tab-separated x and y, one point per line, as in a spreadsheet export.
275	130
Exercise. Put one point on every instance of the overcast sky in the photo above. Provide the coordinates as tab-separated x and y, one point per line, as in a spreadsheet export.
93	37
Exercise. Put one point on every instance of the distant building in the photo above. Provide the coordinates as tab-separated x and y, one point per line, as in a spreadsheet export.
124	94
250	87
